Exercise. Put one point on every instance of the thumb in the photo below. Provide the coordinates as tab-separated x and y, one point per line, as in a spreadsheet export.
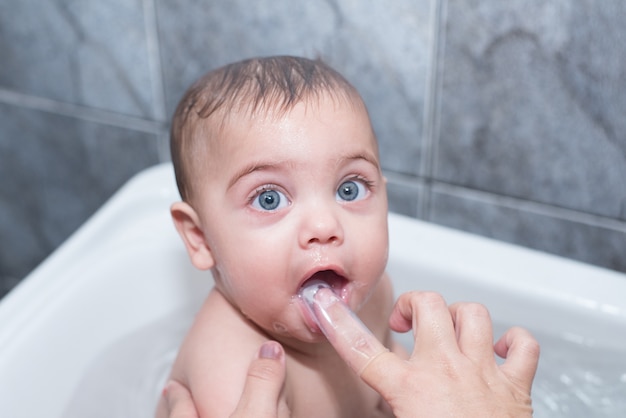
178	401
264	383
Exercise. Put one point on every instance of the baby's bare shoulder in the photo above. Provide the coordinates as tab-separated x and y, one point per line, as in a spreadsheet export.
214	357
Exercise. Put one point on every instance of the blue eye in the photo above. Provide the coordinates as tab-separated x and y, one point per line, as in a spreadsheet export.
269	200
351	190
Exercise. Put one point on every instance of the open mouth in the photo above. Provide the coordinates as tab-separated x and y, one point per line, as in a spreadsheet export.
337	283
335	280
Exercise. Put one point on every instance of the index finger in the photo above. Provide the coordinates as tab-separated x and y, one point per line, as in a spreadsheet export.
353	341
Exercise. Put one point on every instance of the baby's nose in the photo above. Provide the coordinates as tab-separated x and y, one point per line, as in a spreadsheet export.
321	226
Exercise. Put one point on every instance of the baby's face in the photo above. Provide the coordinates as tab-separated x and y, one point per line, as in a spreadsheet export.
291	197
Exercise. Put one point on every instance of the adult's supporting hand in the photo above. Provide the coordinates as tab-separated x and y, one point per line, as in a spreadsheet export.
261	395
452	370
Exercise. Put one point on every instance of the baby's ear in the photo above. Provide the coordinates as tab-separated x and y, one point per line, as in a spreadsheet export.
189	228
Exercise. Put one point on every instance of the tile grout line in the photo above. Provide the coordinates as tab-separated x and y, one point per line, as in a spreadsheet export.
156	75
154	59
408	180
529	206
80	112
430	129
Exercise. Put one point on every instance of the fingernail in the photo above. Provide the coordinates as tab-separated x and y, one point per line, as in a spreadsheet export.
165	389
270	350
326	297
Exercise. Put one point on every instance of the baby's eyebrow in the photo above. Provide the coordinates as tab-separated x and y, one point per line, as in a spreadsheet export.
277	165
360	156
249	169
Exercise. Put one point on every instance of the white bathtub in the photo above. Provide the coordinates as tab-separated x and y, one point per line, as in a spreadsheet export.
93	330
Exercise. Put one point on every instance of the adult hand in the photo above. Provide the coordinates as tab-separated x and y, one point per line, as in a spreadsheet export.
261	395
452	370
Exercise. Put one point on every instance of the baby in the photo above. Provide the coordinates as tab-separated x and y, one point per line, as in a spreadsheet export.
279	172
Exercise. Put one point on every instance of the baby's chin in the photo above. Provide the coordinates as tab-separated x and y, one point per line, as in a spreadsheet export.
300	328
300	340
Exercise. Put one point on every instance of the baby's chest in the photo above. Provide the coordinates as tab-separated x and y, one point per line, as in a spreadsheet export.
330	394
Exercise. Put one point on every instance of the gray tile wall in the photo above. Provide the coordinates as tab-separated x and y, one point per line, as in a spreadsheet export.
506	119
